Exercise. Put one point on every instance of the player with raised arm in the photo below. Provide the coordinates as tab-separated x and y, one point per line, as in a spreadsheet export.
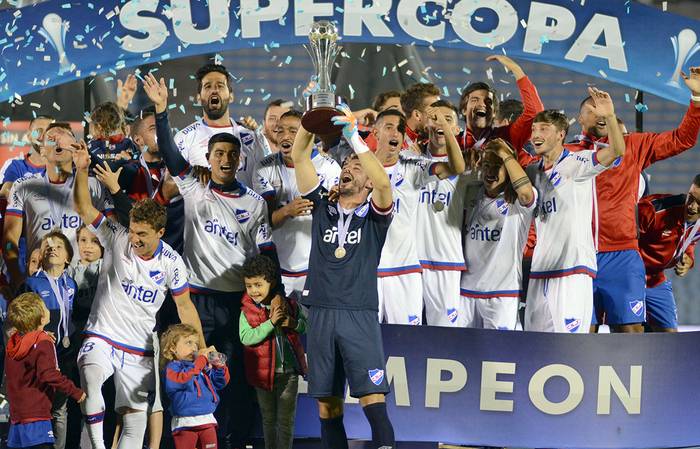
138	270
560	292
344	338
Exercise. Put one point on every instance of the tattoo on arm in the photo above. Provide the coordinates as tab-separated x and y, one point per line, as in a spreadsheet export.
518	183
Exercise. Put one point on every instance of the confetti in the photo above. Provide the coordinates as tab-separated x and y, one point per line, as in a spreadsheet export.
664	6
641	107
627	98
602	73
523	23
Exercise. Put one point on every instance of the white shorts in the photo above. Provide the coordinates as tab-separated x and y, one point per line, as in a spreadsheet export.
293	286
401	299
490	313
560	304
441	297
134	375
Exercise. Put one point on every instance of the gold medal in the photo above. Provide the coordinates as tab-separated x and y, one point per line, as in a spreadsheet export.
66	341
438	206
340	252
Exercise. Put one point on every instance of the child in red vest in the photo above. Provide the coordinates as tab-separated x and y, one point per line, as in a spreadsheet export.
32	374
274	357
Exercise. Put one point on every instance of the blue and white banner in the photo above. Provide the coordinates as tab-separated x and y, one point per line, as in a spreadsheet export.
530	389
61	40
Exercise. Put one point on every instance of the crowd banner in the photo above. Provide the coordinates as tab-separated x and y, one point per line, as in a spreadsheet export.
61	40
531	389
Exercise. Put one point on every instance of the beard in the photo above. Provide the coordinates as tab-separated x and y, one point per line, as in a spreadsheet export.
593	131
217	112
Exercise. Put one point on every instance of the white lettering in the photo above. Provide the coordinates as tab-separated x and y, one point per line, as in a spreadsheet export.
586	45
631	399
490	386
555	23
461	21
406	15
540	378
252	14
305	13
356	14
434	385
186	31
155	30
396	373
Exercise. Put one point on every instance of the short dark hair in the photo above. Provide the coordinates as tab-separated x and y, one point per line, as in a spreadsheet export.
588	99
445	104
150	212
275	102
261	266
292	113
209	68
149	111
696	180
61	125
393	113
382	98
556	118
472	87
40	117
413	98
61	236
510	110
224	138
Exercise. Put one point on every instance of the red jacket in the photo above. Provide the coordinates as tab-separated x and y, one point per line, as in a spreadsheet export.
617	188
517	133
661	228
33	377
259	359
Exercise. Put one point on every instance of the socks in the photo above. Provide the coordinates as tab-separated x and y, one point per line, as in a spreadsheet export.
133	431
333	433
382	430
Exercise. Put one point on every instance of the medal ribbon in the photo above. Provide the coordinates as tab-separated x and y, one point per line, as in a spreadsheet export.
343	226
60	294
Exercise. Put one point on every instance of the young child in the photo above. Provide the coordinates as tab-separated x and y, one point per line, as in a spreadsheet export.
32	374
86	272
274	357
191	380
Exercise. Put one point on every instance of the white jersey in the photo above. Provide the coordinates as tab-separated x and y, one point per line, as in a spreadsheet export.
46	205
277	182
193	142
495	234
222	229
131	290
564	215
439	222
399	254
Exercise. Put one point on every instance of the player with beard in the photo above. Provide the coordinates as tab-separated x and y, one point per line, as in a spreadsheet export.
225	223
273	113
439	223
479	104
215	93
413	104
400	284
275	180
32	162
620	282
344	337
668	232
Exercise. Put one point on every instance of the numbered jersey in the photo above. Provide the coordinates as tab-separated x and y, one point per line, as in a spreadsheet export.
46	205
193	142
564	215
276	182
399	255
222	229
131	290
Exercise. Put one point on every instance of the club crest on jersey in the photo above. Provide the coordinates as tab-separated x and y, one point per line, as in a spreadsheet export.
399	179
376	376
617	162
246	139
242	215
157	276
502	206
572	324
45	293
452	315
332	210
362	211
413	320
555	178
637	307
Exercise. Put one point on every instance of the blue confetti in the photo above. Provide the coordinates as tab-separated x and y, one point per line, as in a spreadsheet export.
641	107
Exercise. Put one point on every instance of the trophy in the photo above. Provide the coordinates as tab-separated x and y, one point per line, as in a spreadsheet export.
322	101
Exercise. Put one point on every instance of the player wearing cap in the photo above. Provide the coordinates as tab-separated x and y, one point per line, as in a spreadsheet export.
275	181
668	231
138	270
344	338
560	291
620	282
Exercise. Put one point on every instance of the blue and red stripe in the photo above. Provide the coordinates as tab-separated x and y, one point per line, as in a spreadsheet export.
14	212
398	271
443	266
493	294
579	269
120	346
179	291
294	274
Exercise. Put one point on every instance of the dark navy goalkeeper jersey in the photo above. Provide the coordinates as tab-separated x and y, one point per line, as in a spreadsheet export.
350	282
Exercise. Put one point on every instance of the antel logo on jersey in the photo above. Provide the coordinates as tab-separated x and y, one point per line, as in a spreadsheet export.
242	215
67	222
157	276
214	227
376	376
352	238
548	206
502	206
139	293
572	324
485	234
431	196
637	307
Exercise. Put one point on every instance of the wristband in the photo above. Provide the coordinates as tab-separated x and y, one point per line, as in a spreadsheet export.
695	98
358	145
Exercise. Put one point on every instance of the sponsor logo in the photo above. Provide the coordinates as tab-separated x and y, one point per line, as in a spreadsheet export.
352	237
502	206
362	211
332	210
139	293
548	207
242	215
376	376
452	315
637	307
414	320
67	222
157	276
485	234
572	324
432	196
215	228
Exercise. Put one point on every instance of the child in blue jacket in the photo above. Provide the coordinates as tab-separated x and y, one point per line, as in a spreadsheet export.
192	378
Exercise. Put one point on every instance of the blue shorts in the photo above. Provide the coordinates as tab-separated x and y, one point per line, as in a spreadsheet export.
661	306
30	434
345	344
618	289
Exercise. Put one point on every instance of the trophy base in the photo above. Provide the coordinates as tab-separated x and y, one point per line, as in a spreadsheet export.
318	121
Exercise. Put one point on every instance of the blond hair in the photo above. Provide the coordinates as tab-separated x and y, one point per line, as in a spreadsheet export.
169	340
26	312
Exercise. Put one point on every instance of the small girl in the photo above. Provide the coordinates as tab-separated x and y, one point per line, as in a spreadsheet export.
191	380
86	272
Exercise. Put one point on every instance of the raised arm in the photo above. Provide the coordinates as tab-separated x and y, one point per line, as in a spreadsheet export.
455	164
518	179
82	201
158	93
603	106
381	186
304	169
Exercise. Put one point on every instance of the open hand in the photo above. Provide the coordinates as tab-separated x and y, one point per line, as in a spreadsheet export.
347	120
126	91
693	81
156	91
81	157
509	64
299	206
108	178
602	103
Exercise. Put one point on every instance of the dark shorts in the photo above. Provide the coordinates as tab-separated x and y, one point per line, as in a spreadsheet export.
619	286
345	345
661	306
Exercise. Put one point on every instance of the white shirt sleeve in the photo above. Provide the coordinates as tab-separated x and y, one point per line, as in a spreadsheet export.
177	277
